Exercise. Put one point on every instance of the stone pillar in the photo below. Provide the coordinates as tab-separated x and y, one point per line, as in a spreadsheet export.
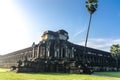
61	55
58	52
38	51
72	52
45	52
66	52
33	46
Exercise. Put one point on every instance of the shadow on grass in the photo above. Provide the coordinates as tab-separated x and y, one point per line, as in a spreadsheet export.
107	74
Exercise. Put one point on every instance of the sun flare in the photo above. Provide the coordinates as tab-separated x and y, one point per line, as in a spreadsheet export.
13	29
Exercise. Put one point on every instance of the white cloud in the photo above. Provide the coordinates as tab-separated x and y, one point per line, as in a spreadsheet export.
100	43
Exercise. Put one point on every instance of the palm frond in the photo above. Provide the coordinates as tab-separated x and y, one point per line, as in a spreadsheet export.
91	5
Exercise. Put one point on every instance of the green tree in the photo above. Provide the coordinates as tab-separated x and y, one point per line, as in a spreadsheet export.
115	49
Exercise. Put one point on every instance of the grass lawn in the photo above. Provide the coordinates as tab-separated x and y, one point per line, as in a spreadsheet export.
112	74
6	75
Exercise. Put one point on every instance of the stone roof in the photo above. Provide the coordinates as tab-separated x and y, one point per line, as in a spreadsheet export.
55	33
49	32
19	51
62	31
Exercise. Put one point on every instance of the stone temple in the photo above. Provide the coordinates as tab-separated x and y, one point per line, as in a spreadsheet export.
54	53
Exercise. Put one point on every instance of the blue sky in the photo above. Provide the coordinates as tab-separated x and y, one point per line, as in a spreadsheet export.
22	22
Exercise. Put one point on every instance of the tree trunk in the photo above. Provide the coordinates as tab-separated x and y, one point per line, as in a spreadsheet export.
84	52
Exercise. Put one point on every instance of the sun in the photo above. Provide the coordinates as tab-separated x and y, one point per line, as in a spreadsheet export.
14	32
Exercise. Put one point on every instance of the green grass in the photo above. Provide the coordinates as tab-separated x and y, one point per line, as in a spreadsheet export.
6	75
4	70
111	74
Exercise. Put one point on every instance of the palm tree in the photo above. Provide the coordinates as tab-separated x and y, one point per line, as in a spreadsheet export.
91	6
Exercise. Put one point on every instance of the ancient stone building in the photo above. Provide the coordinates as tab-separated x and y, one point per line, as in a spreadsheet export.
54	53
